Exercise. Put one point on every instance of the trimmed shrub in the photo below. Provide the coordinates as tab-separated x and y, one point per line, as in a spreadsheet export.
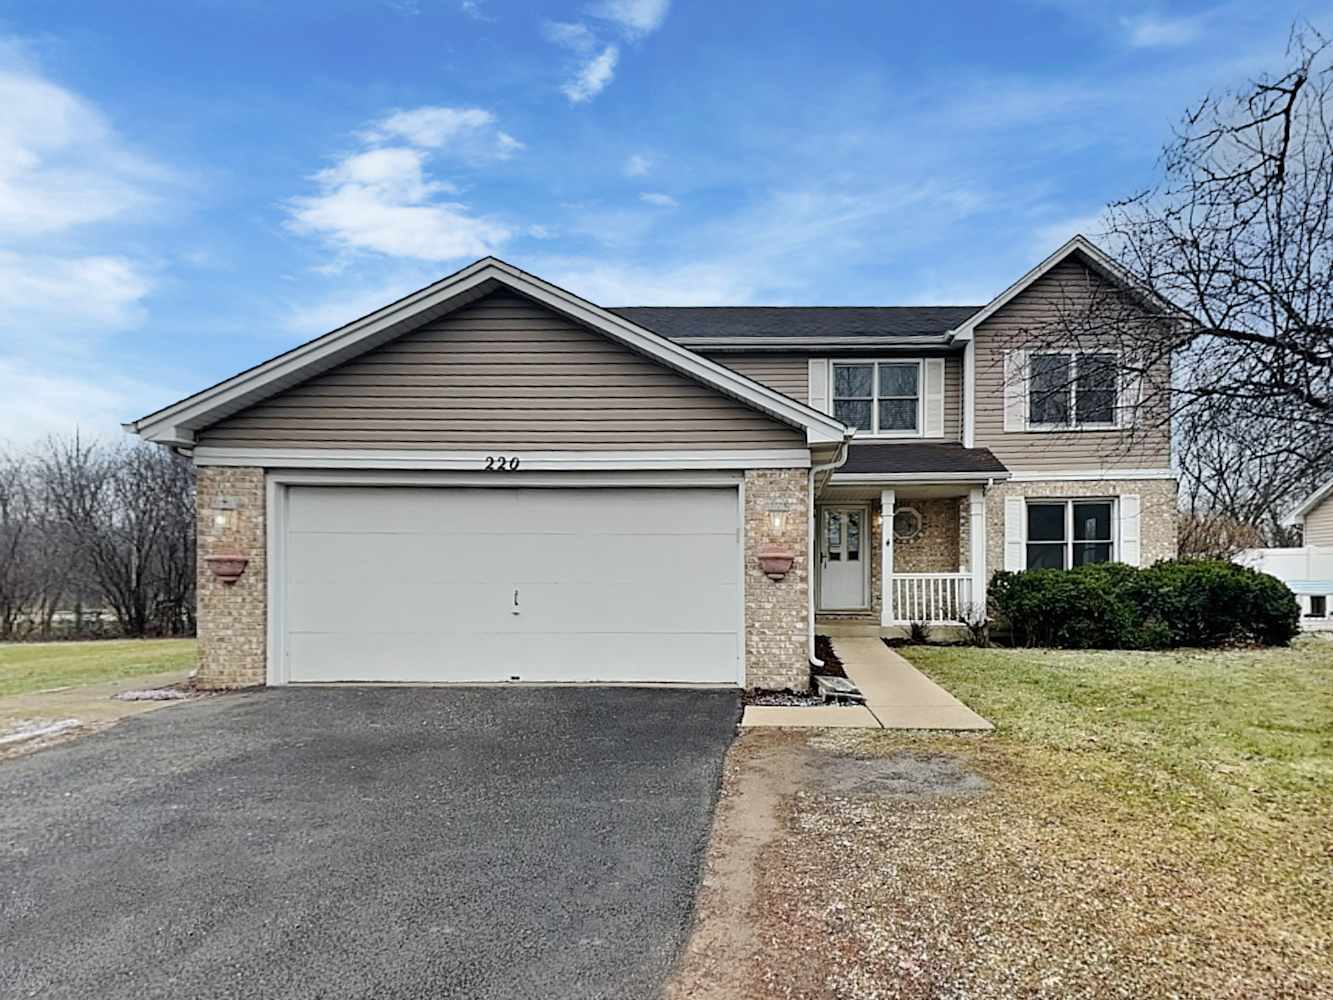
1114	606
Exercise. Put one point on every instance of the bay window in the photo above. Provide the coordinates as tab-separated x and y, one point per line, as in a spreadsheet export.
1066	533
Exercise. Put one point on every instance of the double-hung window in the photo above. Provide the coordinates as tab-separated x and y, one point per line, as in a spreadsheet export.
1065	533
1072	390
880	398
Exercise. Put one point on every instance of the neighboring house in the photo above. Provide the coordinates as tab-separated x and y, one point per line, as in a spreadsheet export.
1307	570
493	479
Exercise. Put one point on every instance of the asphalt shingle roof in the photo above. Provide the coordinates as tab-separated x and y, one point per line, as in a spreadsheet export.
888	458
739	322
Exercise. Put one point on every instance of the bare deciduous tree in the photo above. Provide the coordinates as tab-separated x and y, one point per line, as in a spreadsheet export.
1229	260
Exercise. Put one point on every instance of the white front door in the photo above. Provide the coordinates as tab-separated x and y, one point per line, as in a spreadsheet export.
843	551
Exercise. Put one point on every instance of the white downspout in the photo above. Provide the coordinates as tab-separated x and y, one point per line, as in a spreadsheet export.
815	470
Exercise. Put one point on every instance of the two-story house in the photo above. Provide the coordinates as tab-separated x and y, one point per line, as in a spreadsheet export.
495	480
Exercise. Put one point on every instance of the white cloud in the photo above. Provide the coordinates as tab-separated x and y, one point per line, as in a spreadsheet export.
617	283
542	232
330	311
37	402
597	66
635	17
383	201
593	76
659	199
474	10
572	35
51	301
638	165
61	163
1151	31
1048	237
466	132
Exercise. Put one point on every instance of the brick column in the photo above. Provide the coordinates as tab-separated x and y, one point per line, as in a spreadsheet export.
777	622
233	637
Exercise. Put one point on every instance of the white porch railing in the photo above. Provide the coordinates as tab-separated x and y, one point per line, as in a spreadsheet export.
934	598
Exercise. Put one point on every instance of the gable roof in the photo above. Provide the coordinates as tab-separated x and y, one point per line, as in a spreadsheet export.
822	326
1094	257
176	424
1297	515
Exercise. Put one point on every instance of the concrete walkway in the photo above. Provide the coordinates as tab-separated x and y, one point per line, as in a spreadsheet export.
898	696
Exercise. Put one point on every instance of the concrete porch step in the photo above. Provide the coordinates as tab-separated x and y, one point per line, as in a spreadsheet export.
847	629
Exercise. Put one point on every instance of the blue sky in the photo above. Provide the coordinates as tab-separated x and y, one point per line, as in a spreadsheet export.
188	188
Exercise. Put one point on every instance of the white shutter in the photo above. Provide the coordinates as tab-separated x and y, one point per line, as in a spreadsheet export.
819	387
1015	390
1014	510
1131	395
1130	550
934	398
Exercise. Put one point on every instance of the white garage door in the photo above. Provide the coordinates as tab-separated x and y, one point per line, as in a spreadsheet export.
447	584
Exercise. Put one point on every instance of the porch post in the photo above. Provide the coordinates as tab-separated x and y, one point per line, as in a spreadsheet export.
976	505
886	502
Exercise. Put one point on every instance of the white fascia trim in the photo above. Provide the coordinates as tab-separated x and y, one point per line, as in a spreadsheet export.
475	461
1079	243
925	478
1090	475
436	478
838	343
1297	516
259	382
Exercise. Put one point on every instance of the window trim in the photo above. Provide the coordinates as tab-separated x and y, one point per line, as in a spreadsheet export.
1310	604
1117	408
874	431
1068	543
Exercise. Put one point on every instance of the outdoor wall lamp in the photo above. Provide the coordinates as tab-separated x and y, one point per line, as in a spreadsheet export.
777	519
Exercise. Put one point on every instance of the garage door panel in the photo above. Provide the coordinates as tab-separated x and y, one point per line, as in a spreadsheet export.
477	657
331	606
594	607
418	584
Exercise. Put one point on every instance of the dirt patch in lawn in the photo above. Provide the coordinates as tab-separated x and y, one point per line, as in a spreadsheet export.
906	772
887	865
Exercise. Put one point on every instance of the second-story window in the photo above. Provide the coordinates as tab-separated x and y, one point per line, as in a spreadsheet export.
882	398
1072	390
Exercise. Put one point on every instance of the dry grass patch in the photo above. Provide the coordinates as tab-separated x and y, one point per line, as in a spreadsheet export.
1152	825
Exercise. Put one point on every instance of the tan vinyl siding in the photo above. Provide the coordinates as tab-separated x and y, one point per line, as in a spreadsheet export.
1147	446
1319	524
789	374
501	374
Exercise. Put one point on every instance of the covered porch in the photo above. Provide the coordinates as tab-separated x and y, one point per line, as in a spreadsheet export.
896	547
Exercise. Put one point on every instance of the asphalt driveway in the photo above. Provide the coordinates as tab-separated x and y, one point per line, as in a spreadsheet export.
364	842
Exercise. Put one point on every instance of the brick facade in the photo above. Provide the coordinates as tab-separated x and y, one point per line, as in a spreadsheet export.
1157	512
936	548
777	612
233	641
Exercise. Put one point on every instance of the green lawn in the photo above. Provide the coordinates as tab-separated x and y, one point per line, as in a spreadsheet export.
1200	734
37	666
1152	825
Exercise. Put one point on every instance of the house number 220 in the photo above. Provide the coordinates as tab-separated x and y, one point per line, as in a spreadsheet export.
501	463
